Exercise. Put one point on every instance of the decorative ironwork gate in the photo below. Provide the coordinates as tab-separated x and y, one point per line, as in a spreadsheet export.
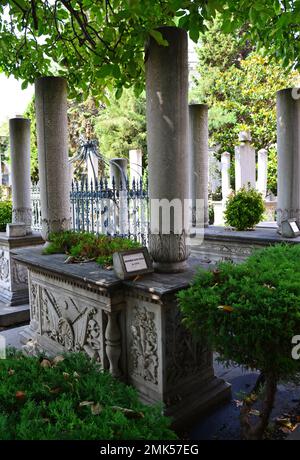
102	209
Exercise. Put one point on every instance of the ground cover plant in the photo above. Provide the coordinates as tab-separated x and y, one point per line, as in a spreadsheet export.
244	209
81	246
249	314
5	214
69	397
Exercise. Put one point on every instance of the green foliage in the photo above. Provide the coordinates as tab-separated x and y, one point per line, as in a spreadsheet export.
118	126
34	167
244	209
72	399
86	246
121	126
263	296
98	45
5	214
249	313
240	86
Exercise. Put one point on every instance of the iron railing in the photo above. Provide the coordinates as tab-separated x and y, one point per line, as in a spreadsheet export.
103	208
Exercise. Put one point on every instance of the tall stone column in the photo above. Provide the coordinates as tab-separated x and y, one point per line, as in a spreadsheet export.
135	165
225	174
19	134
118	172
288	148
262	172
167	139
52	140
245	165
198	143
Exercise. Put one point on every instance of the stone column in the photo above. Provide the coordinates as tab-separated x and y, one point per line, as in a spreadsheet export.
198	143
262	172
167	139
19	134
52	140
118	172
135	165
288	148
225	174
92	169
245	165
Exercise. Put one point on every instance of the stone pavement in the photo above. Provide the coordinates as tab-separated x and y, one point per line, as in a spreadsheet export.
223	422
12	336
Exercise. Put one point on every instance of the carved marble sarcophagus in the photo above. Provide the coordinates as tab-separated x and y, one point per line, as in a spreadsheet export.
132	328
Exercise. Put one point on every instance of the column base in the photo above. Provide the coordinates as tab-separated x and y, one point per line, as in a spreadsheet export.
174	267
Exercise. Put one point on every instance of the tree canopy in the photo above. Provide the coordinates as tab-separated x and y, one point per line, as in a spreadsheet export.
239	85
98	44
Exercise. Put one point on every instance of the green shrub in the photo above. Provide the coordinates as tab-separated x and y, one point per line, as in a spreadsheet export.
72	399
244	209
5	214
249	313
86	246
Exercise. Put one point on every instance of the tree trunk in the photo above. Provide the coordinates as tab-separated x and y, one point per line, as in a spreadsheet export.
256	431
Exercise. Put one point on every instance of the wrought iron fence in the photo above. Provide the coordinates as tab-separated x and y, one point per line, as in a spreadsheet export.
101	208
36	208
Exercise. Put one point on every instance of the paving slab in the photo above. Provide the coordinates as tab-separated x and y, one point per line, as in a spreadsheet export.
12	336
223	423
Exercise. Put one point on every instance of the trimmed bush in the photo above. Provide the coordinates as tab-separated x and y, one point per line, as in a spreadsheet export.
249	314
86	246
244	209
71	398
5	214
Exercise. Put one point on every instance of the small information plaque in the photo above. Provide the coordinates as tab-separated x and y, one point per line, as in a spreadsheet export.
129	264
290	228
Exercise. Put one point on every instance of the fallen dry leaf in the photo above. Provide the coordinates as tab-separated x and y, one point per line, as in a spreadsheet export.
66	375
286	425
238	403
96	409
225	308
20	395
55	390
86	403
45	363
129	413
57	359
254	412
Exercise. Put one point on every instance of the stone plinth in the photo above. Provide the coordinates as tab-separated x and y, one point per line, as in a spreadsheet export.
288	148
19	134
132	328
223	244
13	279
118	180
262	172
245	165
52	140
167	143
225	174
